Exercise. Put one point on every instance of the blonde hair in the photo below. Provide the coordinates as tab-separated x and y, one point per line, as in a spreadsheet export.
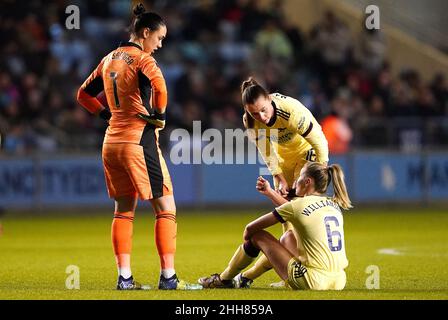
323	175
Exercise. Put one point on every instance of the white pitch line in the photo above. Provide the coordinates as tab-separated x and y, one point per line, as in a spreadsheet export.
390	251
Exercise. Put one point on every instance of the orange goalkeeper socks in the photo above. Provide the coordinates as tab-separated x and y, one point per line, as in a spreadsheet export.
122	226
165	230
165	238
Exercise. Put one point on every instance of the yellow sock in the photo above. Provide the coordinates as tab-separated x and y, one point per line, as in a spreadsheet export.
261	266
239	261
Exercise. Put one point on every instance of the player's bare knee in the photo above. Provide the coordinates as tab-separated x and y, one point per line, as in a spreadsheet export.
125	203
259	237
287	237
165	203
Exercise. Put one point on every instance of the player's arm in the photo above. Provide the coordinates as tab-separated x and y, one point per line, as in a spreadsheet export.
305	124
268	153
159	93
264	187
264	146
88	92
317	140
259	224
280	214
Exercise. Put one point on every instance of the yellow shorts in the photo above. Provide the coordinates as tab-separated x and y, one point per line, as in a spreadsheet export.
291	169
301	277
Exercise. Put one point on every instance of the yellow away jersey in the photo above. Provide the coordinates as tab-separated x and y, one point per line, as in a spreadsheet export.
319	223
297	132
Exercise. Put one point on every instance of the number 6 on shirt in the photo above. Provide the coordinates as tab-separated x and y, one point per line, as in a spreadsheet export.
333	234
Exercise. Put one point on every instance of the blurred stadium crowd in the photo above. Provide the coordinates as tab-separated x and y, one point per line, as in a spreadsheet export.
343	78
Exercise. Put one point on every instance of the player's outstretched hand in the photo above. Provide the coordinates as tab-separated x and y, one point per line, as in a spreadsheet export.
263	186
282	185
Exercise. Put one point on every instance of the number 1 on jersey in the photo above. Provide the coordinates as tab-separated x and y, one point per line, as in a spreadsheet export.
114	76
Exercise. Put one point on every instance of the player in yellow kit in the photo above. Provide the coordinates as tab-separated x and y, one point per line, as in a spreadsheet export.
319	262
287	136
285	132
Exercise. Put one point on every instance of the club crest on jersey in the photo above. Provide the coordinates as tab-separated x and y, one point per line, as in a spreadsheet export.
301	123
281	138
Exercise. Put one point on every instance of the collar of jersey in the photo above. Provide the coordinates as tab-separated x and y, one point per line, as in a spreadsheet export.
129	44
274	116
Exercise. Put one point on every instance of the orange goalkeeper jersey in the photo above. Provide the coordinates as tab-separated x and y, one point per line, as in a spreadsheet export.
133	83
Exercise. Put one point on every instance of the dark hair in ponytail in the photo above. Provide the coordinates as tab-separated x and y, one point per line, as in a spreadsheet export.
145	19
251	91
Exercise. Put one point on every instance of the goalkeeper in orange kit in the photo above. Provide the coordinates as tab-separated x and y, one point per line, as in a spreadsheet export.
133	163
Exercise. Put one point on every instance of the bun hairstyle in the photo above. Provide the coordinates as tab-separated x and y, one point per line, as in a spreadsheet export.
145	19
247	83
251	91
139	9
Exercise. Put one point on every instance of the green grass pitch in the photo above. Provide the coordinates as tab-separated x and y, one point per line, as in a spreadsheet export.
409	247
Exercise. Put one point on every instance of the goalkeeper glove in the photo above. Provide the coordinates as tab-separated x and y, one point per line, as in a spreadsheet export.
155	118
105	114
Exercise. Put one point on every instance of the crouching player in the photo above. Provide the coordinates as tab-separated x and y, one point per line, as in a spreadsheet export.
299	139
319	262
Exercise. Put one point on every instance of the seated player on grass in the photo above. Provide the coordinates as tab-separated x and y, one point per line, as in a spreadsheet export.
317	260
287	135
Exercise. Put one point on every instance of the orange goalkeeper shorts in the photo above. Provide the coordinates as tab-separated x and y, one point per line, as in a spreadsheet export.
132	169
